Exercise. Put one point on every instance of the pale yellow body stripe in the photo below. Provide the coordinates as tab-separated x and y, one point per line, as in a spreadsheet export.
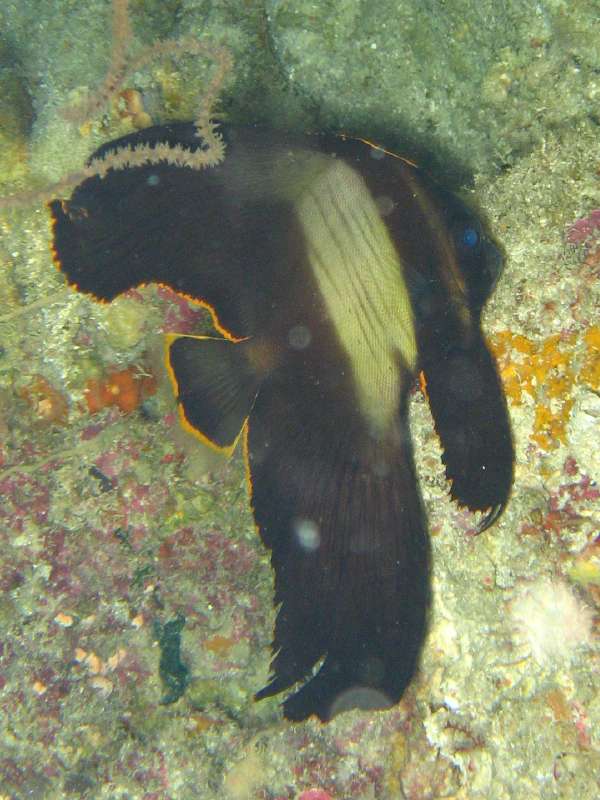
360	277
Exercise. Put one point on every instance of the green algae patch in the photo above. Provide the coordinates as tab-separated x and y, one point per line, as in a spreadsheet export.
16	115
173	672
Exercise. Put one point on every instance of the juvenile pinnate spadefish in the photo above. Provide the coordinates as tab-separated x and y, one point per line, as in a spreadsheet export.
334	272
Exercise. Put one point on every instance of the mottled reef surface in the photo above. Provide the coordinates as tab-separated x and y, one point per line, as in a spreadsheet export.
135	597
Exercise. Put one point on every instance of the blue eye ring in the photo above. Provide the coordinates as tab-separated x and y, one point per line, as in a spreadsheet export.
470	237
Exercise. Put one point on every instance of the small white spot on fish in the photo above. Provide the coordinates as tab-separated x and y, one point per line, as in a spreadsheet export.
385	204
299	337
377	153
307	534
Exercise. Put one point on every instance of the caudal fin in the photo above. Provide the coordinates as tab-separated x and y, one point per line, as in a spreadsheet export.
345	524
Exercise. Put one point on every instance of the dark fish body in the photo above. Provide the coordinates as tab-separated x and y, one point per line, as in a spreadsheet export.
335	272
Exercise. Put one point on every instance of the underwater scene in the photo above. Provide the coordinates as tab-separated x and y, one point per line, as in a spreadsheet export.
299	399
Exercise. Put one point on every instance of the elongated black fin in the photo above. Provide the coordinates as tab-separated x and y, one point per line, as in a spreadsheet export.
471	419
216	385
192	230
343	517
123	230
454	265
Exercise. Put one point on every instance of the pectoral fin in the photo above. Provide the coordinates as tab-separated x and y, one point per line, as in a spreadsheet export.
216	382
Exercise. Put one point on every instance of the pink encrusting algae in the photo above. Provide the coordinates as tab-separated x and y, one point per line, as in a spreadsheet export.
551	621
585	228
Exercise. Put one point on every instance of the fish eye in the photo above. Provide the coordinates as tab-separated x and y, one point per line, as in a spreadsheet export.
470	237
